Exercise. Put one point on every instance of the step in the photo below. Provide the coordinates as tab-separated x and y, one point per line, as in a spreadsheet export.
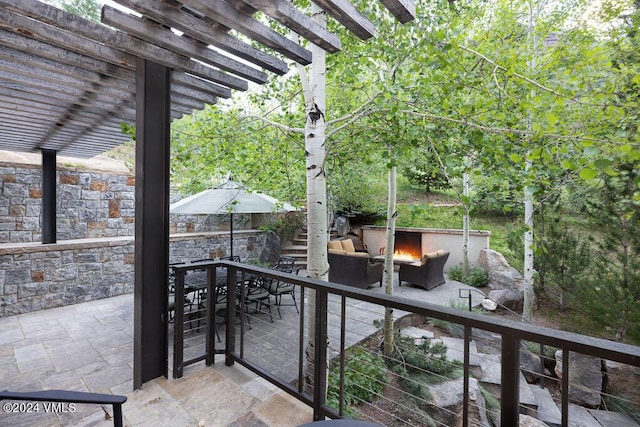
295	249
580	416
492	373
548	411
299	242
612	419
417	334
455	350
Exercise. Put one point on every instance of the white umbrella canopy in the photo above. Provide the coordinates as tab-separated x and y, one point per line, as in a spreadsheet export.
228	198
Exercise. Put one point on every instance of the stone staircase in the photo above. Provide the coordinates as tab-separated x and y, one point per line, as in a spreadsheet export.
297	248
534	400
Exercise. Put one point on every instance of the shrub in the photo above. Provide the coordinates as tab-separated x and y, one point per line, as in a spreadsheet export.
477	277
365	376
285	226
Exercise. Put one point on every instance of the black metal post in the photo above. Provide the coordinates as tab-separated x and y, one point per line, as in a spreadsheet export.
465	381
230	337
320	355
178	325
510	389
150	352
49	196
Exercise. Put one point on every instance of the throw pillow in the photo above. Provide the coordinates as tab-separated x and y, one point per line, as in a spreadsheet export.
347	245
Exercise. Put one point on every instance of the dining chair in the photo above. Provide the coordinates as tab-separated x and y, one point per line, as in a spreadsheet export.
257	292
278	288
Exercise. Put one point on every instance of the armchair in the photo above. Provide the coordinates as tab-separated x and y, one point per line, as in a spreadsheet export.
428	273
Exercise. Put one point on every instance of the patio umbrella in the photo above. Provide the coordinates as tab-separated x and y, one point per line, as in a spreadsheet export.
229	197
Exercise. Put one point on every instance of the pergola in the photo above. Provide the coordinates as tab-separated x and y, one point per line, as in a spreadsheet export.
68	84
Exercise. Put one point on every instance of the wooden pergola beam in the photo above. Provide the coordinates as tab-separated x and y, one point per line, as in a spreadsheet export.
287	14
92	33
403	10
224	13
198	29
349	16
154	33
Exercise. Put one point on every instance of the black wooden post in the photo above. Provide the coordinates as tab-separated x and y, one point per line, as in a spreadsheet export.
49	196
150	353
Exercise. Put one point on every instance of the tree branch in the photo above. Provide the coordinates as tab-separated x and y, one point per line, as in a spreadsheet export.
275	124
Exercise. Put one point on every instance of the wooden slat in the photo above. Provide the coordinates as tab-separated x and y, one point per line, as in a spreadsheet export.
225	14
347	14
403	10
165	38
287	14
172	16
57	19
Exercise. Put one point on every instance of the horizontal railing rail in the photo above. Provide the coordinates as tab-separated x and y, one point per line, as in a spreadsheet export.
317	294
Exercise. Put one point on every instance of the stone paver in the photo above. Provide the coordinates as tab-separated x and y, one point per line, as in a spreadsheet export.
89	347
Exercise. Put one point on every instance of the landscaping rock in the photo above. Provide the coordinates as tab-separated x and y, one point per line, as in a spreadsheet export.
529	421
417	334
501	274
530	364
446	404
509	298
489	304
585	378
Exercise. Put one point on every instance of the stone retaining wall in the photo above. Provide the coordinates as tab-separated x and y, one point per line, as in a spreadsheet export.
34	276
88	205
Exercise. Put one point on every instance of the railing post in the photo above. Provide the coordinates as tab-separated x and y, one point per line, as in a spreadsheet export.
230	339
210	316
465	382
510	389
320	356
178	325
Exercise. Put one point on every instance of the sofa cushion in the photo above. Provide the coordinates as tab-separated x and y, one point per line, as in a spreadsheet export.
347	245
334	244
337	251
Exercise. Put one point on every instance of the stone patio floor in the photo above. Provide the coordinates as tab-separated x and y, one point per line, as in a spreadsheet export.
89	347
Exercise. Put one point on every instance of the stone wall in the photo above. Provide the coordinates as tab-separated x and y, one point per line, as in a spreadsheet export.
34	276
94	256
88	205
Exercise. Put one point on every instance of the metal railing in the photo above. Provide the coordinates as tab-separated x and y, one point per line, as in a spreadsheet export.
320	298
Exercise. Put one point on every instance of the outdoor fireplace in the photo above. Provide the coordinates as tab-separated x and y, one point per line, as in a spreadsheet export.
407	246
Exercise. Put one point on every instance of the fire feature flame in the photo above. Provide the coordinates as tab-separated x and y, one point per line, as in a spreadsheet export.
406	255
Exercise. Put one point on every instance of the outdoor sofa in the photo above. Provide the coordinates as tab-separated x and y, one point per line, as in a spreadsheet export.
350	267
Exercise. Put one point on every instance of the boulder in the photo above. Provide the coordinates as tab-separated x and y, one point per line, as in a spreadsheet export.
501	274
447	397
342	225
585	378
510	298
489	304
530	364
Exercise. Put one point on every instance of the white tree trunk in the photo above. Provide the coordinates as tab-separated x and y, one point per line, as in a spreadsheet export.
529	295
317	218
465	225
387	275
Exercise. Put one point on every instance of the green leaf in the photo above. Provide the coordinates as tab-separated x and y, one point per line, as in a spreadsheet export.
516	158
588	173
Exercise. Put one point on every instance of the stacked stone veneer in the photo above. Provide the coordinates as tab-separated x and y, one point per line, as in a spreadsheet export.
34	276
89	204
94	256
